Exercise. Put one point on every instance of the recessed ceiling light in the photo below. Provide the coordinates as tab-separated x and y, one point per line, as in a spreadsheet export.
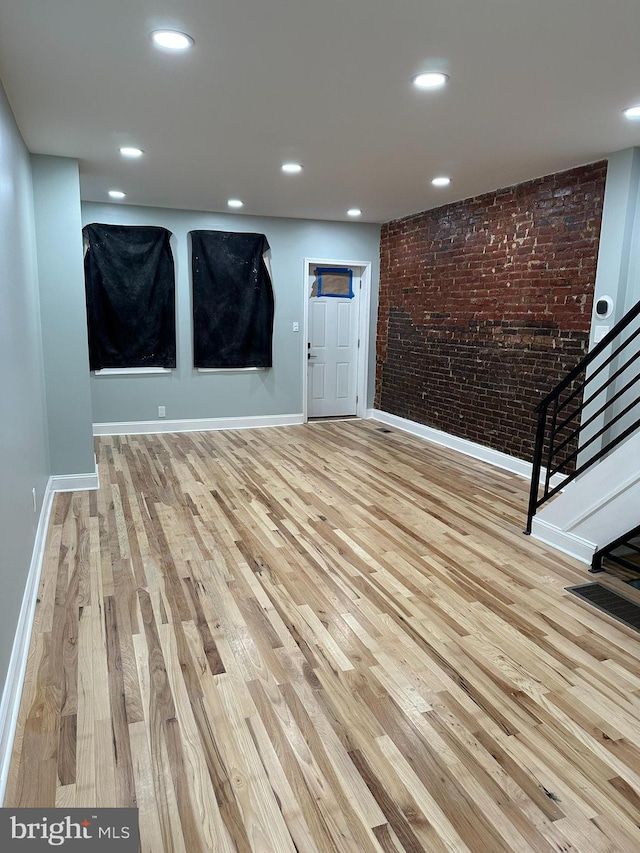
128	151
354	211
235	202
117	194
632	112
430	80
441	182
291	168
171	39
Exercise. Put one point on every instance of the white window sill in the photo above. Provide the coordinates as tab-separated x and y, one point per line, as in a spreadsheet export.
132	371
229	369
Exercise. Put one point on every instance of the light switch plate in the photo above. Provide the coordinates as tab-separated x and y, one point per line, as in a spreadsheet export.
600	332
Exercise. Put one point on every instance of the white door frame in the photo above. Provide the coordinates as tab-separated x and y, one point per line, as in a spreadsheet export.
364	309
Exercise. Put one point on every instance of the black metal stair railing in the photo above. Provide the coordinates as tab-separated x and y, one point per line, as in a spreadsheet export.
588	413
630	560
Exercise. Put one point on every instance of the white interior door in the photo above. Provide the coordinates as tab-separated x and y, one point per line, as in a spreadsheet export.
333	353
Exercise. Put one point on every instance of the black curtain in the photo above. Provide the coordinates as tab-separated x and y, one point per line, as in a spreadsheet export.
130	289
232	300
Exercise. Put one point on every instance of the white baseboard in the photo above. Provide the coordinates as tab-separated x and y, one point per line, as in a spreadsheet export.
12	693
564	541
196	424
462	445
74	482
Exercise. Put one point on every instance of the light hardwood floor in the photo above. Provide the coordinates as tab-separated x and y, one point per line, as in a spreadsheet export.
324	638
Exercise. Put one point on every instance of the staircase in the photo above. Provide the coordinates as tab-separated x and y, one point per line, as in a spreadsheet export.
585	486
623	553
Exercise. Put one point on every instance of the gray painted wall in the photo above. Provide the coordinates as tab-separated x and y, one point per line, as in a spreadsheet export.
56	190
187	394
618	276
23	446
628	163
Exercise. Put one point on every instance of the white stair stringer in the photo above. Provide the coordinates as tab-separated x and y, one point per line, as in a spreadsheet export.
597	507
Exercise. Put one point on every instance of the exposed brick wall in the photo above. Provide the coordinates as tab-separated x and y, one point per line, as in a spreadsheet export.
486	303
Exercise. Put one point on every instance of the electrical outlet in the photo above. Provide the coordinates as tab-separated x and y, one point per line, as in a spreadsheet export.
162	411
296	327
34	499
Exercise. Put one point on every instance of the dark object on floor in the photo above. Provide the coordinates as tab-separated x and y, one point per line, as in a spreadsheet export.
616	605
383	429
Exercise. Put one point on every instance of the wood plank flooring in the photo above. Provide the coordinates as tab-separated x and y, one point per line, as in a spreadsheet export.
323	638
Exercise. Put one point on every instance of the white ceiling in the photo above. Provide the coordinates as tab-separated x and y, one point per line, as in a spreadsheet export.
536	86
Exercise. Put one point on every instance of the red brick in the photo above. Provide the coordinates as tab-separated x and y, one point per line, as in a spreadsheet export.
486	303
